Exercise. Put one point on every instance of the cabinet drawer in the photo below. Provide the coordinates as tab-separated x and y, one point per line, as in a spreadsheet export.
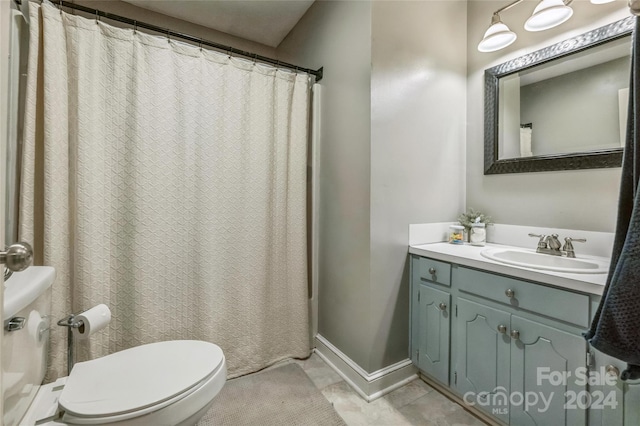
551	302
434	271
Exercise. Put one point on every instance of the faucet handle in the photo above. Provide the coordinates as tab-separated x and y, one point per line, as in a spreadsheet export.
577	240
568	247
542	242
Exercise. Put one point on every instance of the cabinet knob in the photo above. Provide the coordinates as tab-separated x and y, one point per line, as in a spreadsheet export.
443	306
502	328
515	334
432	271
510	293
612	371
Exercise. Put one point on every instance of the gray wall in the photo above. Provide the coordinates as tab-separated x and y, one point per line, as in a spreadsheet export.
584	199
392	153
337	35
418	101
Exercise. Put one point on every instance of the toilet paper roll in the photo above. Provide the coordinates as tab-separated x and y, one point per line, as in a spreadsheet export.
94	320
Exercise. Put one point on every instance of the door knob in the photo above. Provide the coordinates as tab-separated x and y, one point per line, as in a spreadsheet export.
443	306
515	334
17	257
502	329
510	293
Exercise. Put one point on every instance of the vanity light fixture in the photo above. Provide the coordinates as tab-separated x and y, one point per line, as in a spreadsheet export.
497	37
546	15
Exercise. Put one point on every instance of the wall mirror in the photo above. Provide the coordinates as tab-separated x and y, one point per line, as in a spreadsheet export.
560	108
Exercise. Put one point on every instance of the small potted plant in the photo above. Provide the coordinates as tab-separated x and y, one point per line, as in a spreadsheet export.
472	216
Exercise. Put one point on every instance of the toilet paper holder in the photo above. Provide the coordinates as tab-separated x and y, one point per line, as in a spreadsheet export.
70	322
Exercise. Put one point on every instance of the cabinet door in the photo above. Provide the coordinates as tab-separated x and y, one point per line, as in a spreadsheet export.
434	331
613	402
482	362
546	364
631	403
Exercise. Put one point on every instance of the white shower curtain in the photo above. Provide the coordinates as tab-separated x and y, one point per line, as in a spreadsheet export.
169	183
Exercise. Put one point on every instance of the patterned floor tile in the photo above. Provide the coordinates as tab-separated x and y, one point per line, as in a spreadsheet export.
408	393
355	411
319	372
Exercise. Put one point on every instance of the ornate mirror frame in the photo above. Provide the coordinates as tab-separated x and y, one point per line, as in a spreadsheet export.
573	161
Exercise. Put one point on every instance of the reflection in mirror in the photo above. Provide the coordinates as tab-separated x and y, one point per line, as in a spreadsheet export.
560	108
574	104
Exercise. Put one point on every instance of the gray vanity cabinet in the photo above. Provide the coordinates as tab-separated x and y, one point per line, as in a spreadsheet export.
505	337
539	347
434	328
497	360
431	319
482	357
614	402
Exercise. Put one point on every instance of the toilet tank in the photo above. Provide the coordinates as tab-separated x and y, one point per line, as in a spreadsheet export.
27	301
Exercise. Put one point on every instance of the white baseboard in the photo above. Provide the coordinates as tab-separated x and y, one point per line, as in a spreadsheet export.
369	386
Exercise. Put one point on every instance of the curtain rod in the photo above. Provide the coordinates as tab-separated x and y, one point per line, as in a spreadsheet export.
198	40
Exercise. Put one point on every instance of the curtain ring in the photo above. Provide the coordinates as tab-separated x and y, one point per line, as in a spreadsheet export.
255	58
229	52
168	35
97	17
135	26
200	45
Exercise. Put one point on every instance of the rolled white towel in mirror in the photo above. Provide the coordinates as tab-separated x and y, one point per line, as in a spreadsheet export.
525	142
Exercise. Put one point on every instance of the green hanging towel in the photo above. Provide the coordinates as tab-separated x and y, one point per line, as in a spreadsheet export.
616	326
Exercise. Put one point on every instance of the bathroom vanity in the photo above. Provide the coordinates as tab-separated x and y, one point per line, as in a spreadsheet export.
507	340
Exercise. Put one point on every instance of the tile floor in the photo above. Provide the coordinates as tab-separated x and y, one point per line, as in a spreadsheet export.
413	404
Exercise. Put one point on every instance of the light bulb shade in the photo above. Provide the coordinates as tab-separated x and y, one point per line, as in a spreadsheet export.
601	1
497	37
548	14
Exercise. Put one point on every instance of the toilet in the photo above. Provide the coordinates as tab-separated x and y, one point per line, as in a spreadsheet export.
164	383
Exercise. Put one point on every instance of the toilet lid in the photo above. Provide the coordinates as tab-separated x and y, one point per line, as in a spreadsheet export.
137	378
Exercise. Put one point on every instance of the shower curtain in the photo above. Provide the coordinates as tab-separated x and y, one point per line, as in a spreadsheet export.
168	182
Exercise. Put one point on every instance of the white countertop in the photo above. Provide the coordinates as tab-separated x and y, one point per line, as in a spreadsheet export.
468	255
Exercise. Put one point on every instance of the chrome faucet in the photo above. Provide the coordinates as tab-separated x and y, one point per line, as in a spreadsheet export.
550	244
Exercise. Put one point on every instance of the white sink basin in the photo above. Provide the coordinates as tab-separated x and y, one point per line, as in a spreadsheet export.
531	259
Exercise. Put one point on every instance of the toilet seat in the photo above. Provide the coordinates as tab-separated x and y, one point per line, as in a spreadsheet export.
140	380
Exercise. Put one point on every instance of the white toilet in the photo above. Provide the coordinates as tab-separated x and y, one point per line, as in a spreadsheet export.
165	383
